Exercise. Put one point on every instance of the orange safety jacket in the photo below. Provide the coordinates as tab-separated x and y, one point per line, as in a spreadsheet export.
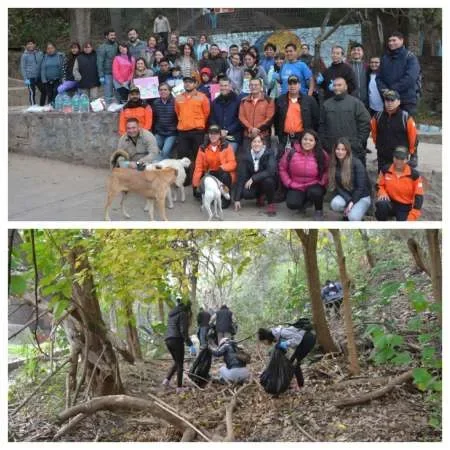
192	110
405	188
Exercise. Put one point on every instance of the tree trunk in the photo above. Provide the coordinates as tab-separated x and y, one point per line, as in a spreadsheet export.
194	281
80	25
134	346
434	250
366	241
309	243
116	21
100	365
351	345
417	253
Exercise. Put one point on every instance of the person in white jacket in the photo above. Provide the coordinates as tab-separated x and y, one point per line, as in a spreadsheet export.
301	340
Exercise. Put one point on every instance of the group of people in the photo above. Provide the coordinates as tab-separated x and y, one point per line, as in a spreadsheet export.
321	123
235	369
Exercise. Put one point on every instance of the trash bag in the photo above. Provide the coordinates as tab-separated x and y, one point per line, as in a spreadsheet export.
278	374
212	335
199	372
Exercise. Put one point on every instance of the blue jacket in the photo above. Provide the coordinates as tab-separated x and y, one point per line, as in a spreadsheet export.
164	117
30	64
297	68
225	113
52	67
399	70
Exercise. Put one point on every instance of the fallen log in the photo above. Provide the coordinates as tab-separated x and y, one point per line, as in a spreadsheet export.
406	376
117	402
229	413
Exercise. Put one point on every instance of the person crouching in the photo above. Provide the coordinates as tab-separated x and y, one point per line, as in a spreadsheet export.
234	370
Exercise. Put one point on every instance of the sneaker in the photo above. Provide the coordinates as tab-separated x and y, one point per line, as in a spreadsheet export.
318	215
165	383
271	210
260	201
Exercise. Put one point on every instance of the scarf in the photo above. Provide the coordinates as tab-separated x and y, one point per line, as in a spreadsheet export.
256	156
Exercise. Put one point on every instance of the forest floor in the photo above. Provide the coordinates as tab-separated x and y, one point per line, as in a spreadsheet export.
310	414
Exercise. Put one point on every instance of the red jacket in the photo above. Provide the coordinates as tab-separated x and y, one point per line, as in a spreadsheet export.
207	159
302	170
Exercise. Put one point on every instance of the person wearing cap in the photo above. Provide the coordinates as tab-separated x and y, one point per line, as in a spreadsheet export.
400	71
360	70
344	116
186	61
338	69
256	113
215	62
391	128
400	190
234	370
294	113
136	108
225	113
205	81
192	108
177	335
293	66
215	157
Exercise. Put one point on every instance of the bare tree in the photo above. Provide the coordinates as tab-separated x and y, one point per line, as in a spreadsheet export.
351	345
80	24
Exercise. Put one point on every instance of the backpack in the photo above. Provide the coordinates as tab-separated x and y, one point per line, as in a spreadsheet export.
419	79
302	324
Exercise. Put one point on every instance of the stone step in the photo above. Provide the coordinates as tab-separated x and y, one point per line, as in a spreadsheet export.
18	96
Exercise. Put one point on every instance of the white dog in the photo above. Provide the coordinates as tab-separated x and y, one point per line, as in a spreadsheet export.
181	165
213	191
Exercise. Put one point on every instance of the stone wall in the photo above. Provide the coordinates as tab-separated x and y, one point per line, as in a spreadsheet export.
79	138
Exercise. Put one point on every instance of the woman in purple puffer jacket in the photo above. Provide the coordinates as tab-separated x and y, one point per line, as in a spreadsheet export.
304	172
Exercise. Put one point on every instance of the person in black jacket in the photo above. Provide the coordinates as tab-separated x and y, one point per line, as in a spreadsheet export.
223	321
303	108
177	334
349	182
203	318
234	370
338	69
257	176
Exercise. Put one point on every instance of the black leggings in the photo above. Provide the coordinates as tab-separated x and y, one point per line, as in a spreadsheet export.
297	199
307	344
266	186
176	349
51	90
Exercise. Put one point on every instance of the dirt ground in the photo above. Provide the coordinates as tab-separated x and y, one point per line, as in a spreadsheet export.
50	190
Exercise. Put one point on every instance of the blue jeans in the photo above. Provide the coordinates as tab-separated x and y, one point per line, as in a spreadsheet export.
165	144
358	210
108	89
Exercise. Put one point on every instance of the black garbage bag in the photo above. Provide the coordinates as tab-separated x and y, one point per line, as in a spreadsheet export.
278	374
199	372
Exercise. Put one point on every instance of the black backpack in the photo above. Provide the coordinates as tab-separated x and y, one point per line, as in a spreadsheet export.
302	324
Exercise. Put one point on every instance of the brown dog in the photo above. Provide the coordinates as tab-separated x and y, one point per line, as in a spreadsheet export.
152	184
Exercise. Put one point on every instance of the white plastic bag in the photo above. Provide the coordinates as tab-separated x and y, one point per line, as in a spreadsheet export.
98	105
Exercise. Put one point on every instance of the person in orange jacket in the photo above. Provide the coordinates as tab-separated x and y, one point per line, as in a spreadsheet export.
135	108
216	158
400	189
192	109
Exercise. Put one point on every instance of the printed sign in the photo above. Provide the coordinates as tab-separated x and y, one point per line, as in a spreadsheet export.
148	87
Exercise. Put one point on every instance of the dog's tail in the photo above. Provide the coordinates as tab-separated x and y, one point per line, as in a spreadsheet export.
116	155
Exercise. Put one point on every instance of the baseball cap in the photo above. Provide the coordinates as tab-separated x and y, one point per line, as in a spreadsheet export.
206	70
401	153
214	129
293	79
391	95
134	89
189	78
